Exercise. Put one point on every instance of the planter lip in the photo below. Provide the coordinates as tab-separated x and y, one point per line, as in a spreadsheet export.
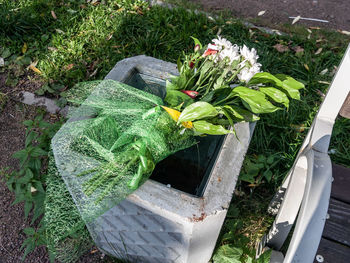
222	181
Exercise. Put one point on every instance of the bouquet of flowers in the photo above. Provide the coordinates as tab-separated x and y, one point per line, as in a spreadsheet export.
113	141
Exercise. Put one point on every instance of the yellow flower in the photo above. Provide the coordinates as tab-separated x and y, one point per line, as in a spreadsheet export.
175	114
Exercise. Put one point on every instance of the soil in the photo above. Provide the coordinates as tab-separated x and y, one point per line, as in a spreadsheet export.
12	222
278	11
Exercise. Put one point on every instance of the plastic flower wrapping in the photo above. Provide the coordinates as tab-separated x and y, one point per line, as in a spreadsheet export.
117	134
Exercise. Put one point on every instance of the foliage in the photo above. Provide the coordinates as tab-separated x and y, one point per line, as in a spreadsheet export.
224	88
28	183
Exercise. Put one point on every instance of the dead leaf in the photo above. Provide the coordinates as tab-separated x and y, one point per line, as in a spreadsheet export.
69	67
2	62
93	251
296	20
116	46
109	36
307	67
318	51
298	128
59	31
323	72
314	27
298	49
320	93
120	9
52	48
281	48
308	30
93	73
345	32
261	13
32	189
53	14
24	48
324	82
35	69
83	6
335	69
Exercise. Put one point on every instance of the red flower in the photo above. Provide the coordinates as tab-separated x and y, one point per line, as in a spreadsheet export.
191	93
191	64
209	52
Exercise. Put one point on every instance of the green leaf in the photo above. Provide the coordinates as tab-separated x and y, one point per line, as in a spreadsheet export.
247	178
28	123
29	231
21	155
241	114
228	254
174	98
6	53
37	152
30	247
268	175
31	136
197	42
205	127
198	110
27	207
276	95
288	81
265	257
254	100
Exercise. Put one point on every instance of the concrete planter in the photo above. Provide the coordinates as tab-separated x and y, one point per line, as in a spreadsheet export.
158	223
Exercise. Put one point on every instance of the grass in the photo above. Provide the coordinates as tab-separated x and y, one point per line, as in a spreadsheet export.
84	42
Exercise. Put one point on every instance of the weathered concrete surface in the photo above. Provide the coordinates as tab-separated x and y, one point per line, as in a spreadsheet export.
161	224
31	99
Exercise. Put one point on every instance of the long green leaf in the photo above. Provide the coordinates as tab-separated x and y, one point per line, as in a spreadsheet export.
198	110
276	95
254	100
205	127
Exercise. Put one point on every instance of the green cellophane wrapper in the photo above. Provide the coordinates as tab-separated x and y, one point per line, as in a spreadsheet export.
111	143
66	234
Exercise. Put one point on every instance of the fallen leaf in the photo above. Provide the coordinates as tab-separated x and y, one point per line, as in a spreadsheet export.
323	72
298	49
229	22
53	14
109	36
120	9
298	128
35	69
261	13
318	51
69	67
116	46
296	20
52	48
93	73
345	32
59	31
335	69
281	48
24	48
324	82
93	251
320	93
314	27
308	30
307	67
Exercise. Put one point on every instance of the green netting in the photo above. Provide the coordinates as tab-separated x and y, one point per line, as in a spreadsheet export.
111	143
66	234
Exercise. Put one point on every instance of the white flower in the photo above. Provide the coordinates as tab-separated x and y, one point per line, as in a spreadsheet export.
222	43
231	53
247	73
249	55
